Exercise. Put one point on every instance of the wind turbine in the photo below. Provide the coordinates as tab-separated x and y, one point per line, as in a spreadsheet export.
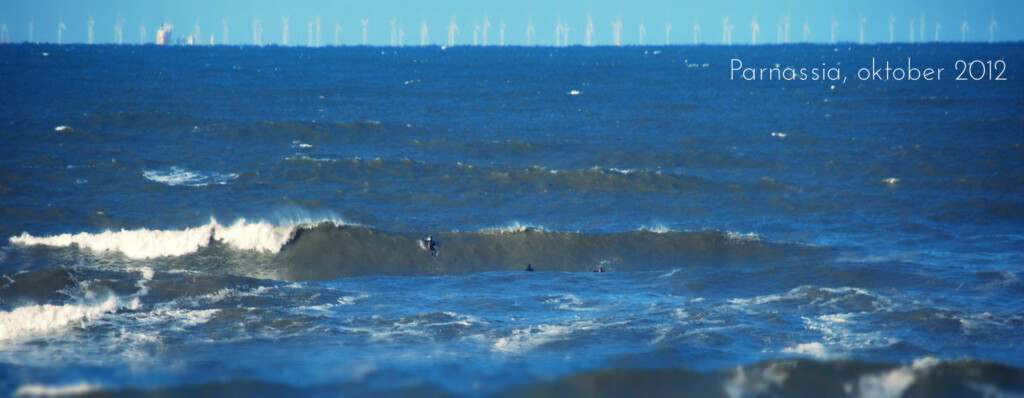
5	36
617	31
668	32
558	31
476	34
337	32
142	34
119	30
862	21
529	31
401	35
257	32
284	30
778	31
423	32
696	31
60	31
807	31
938	27
365	22
642	31
394	33
487	25
503	26
195	37
225	39
725	29
754	30
453	29
92	24
992	26
565	35
835	24
318	31
911	30
785	21
921	27
963	30
590	30
892	21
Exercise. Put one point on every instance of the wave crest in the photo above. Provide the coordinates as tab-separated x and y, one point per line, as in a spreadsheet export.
146	244
319	250
39	319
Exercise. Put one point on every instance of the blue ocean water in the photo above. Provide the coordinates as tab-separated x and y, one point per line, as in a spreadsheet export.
248	221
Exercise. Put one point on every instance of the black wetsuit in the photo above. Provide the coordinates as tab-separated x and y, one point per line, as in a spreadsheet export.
432	246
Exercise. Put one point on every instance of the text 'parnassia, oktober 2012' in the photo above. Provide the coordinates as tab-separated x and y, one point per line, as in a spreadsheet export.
876	70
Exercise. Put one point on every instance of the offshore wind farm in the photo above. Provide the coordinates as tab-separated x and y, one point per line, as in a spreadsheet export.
868	24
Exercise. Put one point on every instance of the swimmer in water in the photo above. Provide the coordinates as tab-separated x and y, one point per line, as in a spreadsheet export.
599	269
529	268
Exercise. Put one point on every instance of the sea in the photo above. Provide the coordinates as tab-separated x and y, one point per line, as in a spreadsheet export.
250	221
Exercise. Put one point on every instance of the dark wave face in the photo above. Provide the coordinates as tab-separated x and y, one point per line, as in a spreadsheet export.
328	250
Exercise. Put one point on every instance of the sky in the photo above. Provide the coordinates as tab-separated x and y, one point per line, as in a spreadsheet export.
39	21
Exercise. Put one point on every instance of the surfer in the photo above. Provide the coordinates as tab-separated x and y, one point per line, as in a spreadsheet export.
529	268
431	245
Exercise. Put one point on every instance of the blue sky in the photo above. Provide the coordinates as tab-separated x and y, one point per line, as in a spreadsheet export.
45	16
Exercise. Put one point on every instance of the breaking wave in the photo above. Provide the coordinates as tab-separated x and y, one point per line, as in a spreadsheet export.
145	243
319	250
38	319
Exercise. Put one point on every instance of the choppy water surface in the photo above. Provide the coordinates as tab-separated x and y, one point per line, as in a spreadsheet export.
239	220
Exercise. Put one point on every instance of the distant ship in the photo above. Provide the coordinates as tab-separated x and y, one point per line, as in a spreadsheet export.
163	36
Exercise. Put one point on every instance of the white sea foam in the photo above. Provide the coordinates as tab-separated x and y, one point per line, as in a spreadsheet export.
892	383
261	236
670	273
814	350
747	237
526	339
842	332
139	244
568	302
40	390
806	291
657	228
515	227
147	273
40	319
175	176
758	383
145	243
